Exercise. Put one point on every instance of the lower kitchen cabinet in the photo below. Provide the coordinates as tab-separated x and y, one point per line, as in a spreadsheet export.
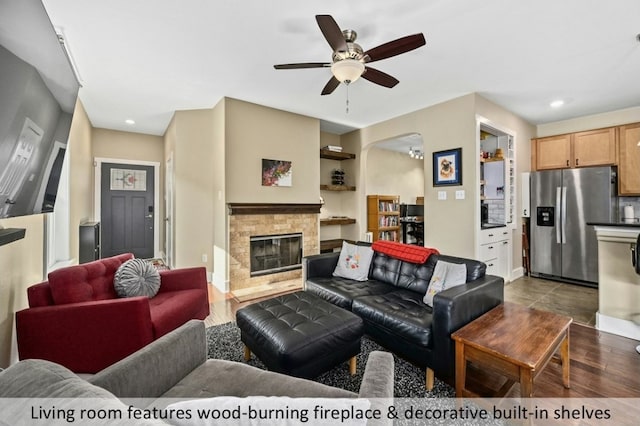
495	250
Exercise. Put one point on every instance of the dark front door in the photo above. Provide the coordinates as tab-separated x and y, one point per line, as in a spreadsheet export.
127	210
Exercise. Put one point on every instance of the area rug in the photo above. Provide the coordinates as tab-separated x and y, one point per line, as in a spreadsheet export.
223	342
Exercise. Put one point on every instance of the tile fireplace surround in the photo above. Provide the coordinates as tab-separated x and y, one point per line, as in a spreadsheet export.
251	219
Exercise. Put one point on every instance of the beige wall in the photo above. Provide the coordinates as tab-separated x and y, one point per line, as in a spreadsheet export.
450	225
254	132
193	154
220	223
589	122
80	176
21	266
21	262
119	145
395	173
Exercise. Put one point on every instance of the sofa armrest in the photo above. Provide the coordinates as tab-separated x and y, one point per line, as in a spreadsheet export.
84	337
458	306
183	279
156	368
378	378
319	265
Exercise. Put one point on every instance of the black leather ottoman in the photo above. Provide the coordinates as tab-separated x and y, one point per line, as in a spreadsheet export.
300	334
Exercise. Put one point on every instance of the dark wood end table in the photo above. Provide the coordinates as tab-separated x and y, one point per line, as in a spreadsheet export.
515	341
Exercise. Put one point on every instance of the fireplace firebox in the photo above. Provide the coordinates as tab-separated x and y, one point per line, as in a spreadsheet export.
270	254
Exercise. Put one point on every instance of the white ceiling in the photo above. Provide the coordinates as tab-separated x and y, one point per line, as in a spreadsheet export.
144	59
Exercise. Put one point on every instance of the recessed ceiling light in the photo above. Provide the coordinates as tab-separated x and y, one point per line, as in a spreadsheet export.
557	103
130	122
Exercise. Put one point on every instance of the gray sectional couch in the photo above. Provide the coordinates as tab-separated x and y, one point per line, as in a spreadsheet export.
174	366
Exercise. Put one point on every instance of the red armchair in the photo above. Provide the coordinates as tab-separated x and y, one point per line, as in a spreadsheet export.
77	320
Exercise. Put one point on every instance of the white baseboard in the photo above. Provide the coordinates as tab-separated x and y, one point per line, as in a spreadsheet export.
517	273
219	283
617	326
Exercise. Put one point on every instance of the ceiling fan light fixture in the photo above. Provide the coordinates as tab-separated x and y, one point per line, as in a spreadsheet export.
347	70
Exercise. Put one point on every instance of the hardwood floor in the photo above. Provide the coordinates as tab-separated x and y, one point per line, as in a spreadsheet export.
602	364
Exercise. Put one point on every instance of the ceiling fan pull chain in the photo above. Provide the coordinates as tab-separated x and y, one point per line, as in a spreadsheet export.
347	98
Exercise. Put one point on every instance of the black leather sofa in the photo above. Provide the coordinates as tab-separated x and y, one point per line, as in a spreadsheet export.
391	305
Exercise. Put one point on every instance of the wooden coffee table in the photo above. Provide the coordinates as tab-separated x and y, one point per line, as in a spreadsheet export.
515	341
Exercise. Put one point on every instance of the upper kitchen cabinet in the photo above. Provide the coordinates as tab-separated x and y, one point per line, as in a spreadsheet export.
594	148
629	160
582	149
552	152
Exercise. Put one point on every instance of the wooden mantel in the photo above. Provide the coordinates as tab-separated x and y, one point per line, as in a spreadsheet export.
272	208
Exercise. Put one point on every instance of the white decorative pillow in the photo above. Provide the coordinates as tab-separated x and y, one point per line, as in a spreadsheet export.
445	276
136	277
269	410
354	262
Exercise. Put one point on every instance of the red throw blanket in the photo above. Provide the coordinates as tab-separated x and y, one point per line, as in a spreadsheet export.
406	252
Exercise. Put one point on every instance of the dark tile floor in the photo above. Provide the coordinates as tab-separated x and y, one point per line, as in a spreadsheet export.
578	302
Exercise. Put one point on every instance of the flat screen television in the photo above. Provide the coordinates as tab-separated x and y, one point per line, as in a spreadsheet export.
38	91
411	210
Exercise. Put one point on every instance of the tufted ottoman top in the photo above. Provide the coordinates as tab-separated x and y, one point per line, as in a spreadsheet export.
294	330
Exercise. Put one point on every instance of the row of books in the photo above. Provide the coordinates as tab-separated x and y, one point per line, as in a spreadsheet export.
388	235
388	206
388	221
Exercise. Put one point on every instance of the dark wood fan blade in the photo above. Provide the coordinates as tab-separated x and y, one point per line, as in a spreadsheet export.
330	86
395	47
332	33
379	77
302	65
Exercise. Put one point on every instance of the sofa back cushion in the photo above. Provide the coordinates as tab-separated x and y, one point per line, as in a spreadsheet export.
415	277
384	268
87	282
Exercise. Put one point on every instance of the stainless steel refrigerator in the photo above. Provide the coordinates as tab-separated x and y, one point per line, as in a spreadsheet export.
562	245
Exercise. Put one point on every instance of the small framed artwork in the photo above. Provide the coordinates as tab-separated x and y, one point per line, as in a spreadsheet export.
276	172
447	167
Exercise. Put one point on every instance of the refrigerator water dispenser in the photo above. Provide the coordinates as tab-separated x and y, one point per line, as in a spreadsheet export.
545	216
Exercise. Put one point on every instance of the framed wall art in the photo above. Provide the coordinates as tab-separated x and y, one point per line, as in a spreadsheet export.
447	167
276	172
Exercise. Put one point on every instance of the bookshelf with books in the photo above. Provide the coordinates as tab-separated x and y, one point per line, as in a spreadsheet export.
383	217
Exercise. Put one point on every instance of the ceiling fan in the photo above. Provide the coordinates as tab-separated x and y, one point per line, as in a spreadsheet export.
349	58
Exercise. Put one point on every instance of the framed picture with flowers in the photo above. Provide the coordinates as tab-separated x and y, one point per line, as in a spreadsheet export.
276	172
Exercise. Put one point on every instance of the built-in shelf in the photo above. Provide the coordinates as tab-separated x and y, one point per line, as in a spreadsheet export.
337	221
337	188
334	155
272	208
328	245
10	235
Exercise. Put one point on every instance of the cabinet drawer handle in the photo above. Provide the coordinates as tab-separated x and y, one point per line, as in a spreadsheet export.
491	264
505	242
490	247
567	163
491	235
576	161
